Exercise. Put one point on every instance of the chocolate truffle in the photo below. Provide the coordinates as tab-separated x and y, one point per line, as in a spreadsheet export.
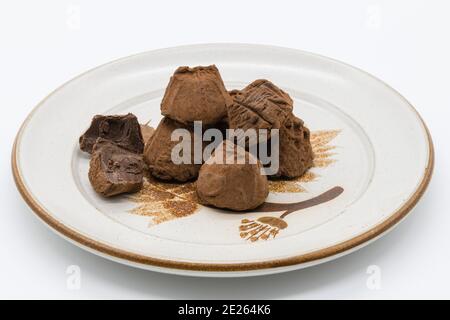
295	151
232	186
114	170
124	131
260	105
158	153
196	94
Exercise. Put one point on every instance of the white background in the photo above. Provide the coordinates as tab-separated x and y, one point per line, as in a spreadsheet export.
405	43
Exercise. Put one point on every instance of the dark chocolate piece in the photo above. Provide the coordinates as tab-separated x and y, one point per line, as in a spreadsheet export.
196	94
124	131
158	152
114	170
235	186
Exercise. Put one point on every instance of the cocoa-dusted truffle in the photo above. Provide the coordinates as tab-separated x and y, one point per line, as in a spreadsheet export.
158	152
114	170
260	105
295	151
196	94
232	186
124	131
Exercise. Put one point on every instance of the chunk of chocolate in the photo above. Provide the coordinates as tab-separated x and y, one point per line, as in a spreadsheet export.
124	131
158	153
295	151
196	94
236	186
114	170
260	105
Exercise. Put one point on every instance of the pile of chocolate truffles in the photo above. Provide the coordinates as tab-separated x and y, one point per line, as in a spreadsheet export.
122	150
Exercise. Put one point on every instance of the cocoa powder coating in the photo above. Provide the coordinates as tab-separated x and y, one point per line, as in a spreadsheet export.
196	94
295	151
158	152
232	186
260	105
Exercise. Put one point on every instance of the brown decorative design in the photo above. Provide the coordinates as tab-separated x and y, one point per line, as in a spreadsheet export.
165	201
267	227
322	158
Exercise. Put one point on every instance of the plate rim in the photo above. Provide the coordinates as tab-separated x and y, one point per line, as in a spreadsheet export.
316	255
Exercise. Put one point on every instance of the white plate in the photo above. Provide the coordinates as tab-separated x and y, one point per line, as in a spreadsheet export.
369	140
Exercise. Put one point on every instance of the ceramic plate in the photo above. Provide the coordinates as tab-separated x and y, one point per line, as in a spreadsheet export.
373	161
